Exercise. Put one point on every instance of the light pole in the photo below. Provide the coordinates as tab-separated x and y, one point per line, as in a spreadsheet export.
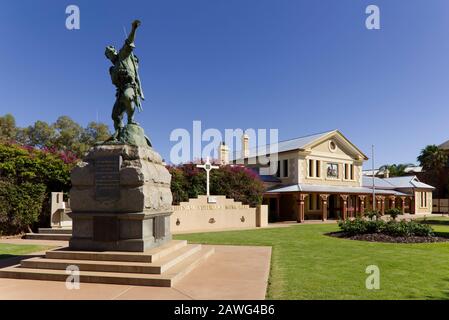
374	186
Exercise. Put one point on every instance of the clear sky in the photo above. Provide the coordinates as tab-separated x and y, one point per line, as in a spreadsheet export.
299	66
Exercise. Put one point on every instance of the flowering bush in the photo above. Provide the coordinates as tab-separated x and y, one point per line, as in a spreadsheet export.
237	182
27	176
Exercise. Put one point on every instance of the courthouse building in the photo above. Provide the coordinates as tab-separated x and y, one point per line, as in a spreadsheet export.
320	177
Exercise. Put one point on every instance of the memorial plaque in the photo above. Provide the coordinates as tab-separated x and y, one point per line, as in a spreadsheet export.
107	178
106	229
159	227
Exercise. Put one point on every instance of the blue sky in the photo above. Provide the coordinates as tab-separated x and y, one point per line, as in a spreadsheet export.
299	66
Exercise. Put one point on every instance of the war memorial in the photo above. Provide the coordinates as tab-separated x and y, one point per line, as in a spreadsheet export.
120	203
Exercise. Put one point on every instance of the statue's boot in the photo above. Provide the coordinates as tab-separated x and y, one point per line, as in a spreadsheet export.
131	121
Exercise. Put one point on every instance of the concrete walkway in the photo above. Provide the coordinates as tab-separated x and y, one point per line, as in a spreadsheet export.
231	273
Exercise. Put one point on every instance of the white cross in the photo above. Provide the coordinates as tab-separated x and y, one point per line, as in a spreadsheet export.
208	167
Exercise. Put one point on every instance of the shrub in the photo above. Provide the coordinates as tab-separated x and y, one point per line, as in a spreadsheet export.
421	230
397	229
407	229
352	227
392	228
20	206
237	182
24	171
372	214
360	226
26	164
393	213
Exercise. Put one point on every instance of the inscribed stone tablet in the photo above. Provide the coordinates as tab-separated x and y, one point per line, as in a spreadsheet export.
107	178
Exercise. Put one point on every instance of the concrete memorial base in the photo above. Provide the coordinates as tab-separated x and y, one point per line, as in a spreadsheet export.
119	231
120	199
160	267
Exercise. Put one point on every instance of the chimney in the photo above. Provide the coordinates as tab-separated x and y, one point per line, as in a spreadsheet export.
245	146
386	173
224	154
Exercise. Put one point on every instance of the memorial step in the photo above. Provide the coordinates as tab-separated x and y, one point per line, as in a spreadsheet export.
151	255
162	265
166	279
48	236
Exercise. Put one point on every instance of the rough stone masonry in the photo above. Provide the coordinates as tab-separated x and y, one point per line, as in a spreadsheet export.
120	199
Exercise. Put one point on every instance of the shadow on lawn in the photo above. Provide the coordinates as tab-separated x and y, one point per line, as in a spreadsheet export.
436	222
445	293
6	256
7	260
441	234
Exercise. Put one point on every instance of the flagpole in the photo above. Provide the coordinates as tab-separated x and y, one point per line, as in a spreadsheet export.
374	187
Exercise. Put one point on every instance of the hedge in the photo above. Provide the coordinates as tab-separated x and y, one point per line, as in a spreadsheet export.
27	176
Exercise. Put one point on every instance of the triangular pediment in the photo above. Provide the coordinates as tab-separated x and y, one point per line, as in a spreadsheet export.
335	143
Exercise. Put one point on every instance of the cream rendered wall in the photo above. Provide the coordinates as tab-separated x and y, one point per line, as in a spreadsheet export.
292	167
418	207
291	156
200	215
323	153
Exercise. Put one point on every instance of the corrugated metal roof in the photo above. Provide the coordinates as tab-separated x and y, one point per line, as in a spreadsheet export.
444	145
282	146
378	183
413	169
407	182
410	169
422	185
332	189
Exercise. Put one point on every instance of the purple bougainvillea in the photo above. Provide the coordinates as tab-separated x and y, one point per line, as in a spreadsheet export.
237	182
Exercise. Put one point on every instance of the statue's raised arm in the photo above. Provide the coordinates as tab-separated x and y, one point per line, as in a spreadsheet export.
129	42
132	34
125	76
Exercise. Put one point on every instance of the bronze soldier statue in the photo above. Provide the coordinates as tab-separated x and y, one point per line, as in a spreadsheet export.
125	76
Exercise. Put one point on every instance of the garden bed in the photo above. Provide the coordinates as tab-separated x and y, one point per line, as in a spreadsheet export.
379	237
392	231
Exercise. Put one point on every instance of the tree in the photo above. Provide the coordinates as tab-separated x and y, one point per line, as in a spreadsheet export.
40	135
432	158
396	170
20	206
8	128
65	135
27	176
68	135
95	132
434	161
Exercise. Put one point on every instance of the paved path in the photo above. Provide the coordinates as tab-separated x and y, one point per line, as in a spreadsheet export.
231	273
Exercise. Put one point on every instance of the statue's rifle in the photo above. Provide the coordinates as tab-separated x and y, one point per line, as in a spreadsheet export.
137	89
138	93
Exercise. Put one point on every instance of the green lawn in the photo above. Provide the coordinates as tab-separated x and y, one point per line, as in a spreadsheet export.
434	219
11	250
309	265
438	223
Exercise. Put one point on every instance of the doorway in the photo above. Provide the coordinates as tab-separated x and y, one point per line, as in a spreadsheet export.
334	209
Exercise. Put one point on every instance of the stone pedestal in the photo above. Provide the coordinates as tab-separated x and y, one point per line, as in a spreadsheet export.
120	199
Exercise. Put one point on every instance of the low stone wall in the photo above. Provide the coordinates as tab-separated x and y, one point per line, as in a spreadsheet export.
199	215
